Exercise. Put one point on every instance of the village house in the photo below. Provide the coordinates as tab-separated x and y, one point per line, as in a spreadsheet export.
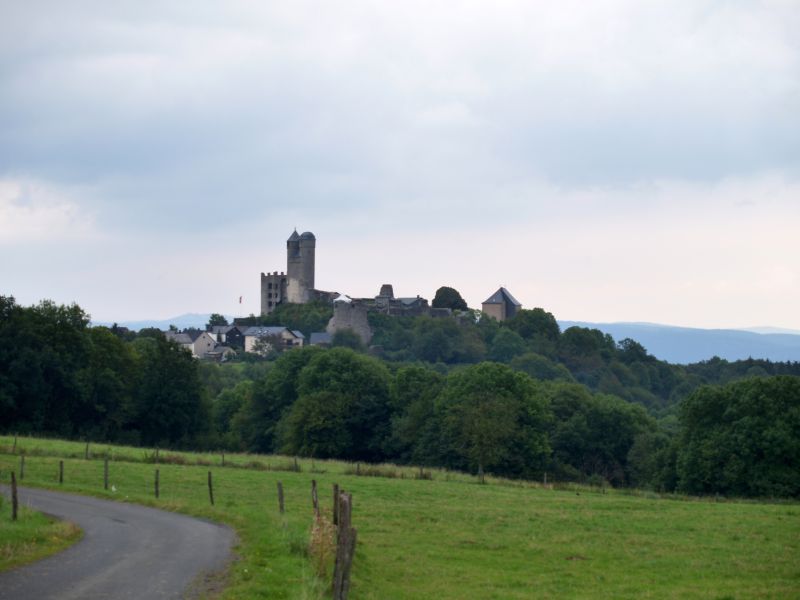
283	337
199	343
230	335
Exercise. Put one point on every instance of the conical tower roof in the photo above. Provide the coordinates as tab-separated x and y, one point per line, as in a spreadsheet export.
294	237
501	296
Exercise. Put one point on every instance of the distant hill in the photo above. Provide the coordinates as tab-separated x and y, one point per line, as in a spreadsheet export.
185	321
766	329
685	345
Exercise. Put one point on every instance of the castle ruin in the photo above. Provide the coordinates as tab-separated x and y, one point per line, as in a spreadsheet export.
296	285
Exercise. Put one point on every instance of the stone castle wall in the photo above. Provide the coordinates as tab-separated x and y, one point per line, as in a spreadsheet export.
273	291
350	315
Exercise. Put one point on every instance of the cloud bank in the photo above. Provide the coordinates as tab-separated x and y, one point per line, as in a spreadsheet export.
610	160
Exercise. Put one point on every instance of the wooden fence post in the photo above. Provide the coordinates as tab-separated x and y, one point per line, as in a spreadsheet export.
314	499
86	451
345	548
156	483
296	466
14	449
156	454
14	500
335	503
223	463
22	467
210	489
60	472
280	497
105	473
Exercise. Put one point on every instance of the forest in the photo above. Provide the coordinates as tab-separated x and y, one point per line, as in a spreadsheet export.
519	399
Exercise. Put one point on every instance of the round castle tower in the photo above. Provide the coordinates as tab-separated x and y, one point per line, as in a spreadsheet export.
300	251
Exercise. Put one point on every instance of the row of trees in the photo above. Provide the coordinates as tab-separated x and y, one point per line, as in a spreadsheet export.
62	377
342	404
742	438
522	417
533	343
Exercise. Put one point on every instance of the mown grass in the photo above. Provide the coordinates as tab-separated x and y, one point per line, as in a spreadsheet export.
448	537
32	536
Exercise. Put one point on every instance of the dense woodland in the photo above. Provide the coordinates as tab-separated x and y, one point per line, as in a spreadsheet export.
517	399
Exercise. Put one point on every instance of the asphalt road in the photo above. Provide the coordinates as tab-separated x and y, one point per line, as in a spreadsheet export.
127	552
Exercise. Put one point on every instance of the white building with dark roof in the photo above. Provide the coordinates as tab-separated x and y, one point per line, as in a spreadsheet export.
199	343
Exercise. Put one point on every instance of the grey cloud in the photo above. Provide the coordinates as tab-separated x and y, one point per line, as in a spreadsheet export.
194	116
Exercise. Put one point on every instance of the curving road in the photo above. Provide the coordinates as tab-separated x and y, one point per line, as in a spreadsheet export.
127	552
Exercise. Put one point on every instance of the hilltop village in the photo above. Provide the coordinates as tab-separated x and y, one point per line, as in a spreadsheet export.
296	285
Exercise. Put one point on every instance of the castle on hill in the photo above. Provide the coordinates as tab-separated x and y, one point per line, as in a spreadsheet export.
296	286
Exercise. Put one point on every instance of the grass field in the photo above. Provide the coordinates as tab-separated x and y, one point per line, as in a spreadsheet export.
32	536
449	537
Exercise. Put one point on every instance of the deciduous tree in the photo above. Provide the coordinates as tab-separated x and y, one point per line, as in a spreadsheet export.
742	438
216	319
447	297
495	418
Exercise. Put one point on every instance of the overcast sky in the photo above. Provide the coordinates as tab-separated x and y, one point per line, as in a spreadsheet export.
606	160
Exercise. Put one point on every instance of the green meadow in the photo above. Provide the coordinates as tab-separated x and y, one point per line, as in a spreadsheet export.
444	535
32	536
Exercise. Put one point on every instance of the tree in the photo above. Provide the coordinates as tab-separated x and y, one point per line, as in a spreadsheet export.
227	405
107	385
362	385
347	338
535	322
495	419
506	345
268	346
274	394
215	320
317	426
540	367
630	351
394	334
593	434
651	461
444	340
586	353
447	297
151	332
42	349
168	406
578	343
742	438
414	425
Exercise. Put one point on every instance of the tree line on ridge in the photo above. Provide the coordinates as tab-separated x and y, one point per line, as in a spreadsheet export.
517	399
